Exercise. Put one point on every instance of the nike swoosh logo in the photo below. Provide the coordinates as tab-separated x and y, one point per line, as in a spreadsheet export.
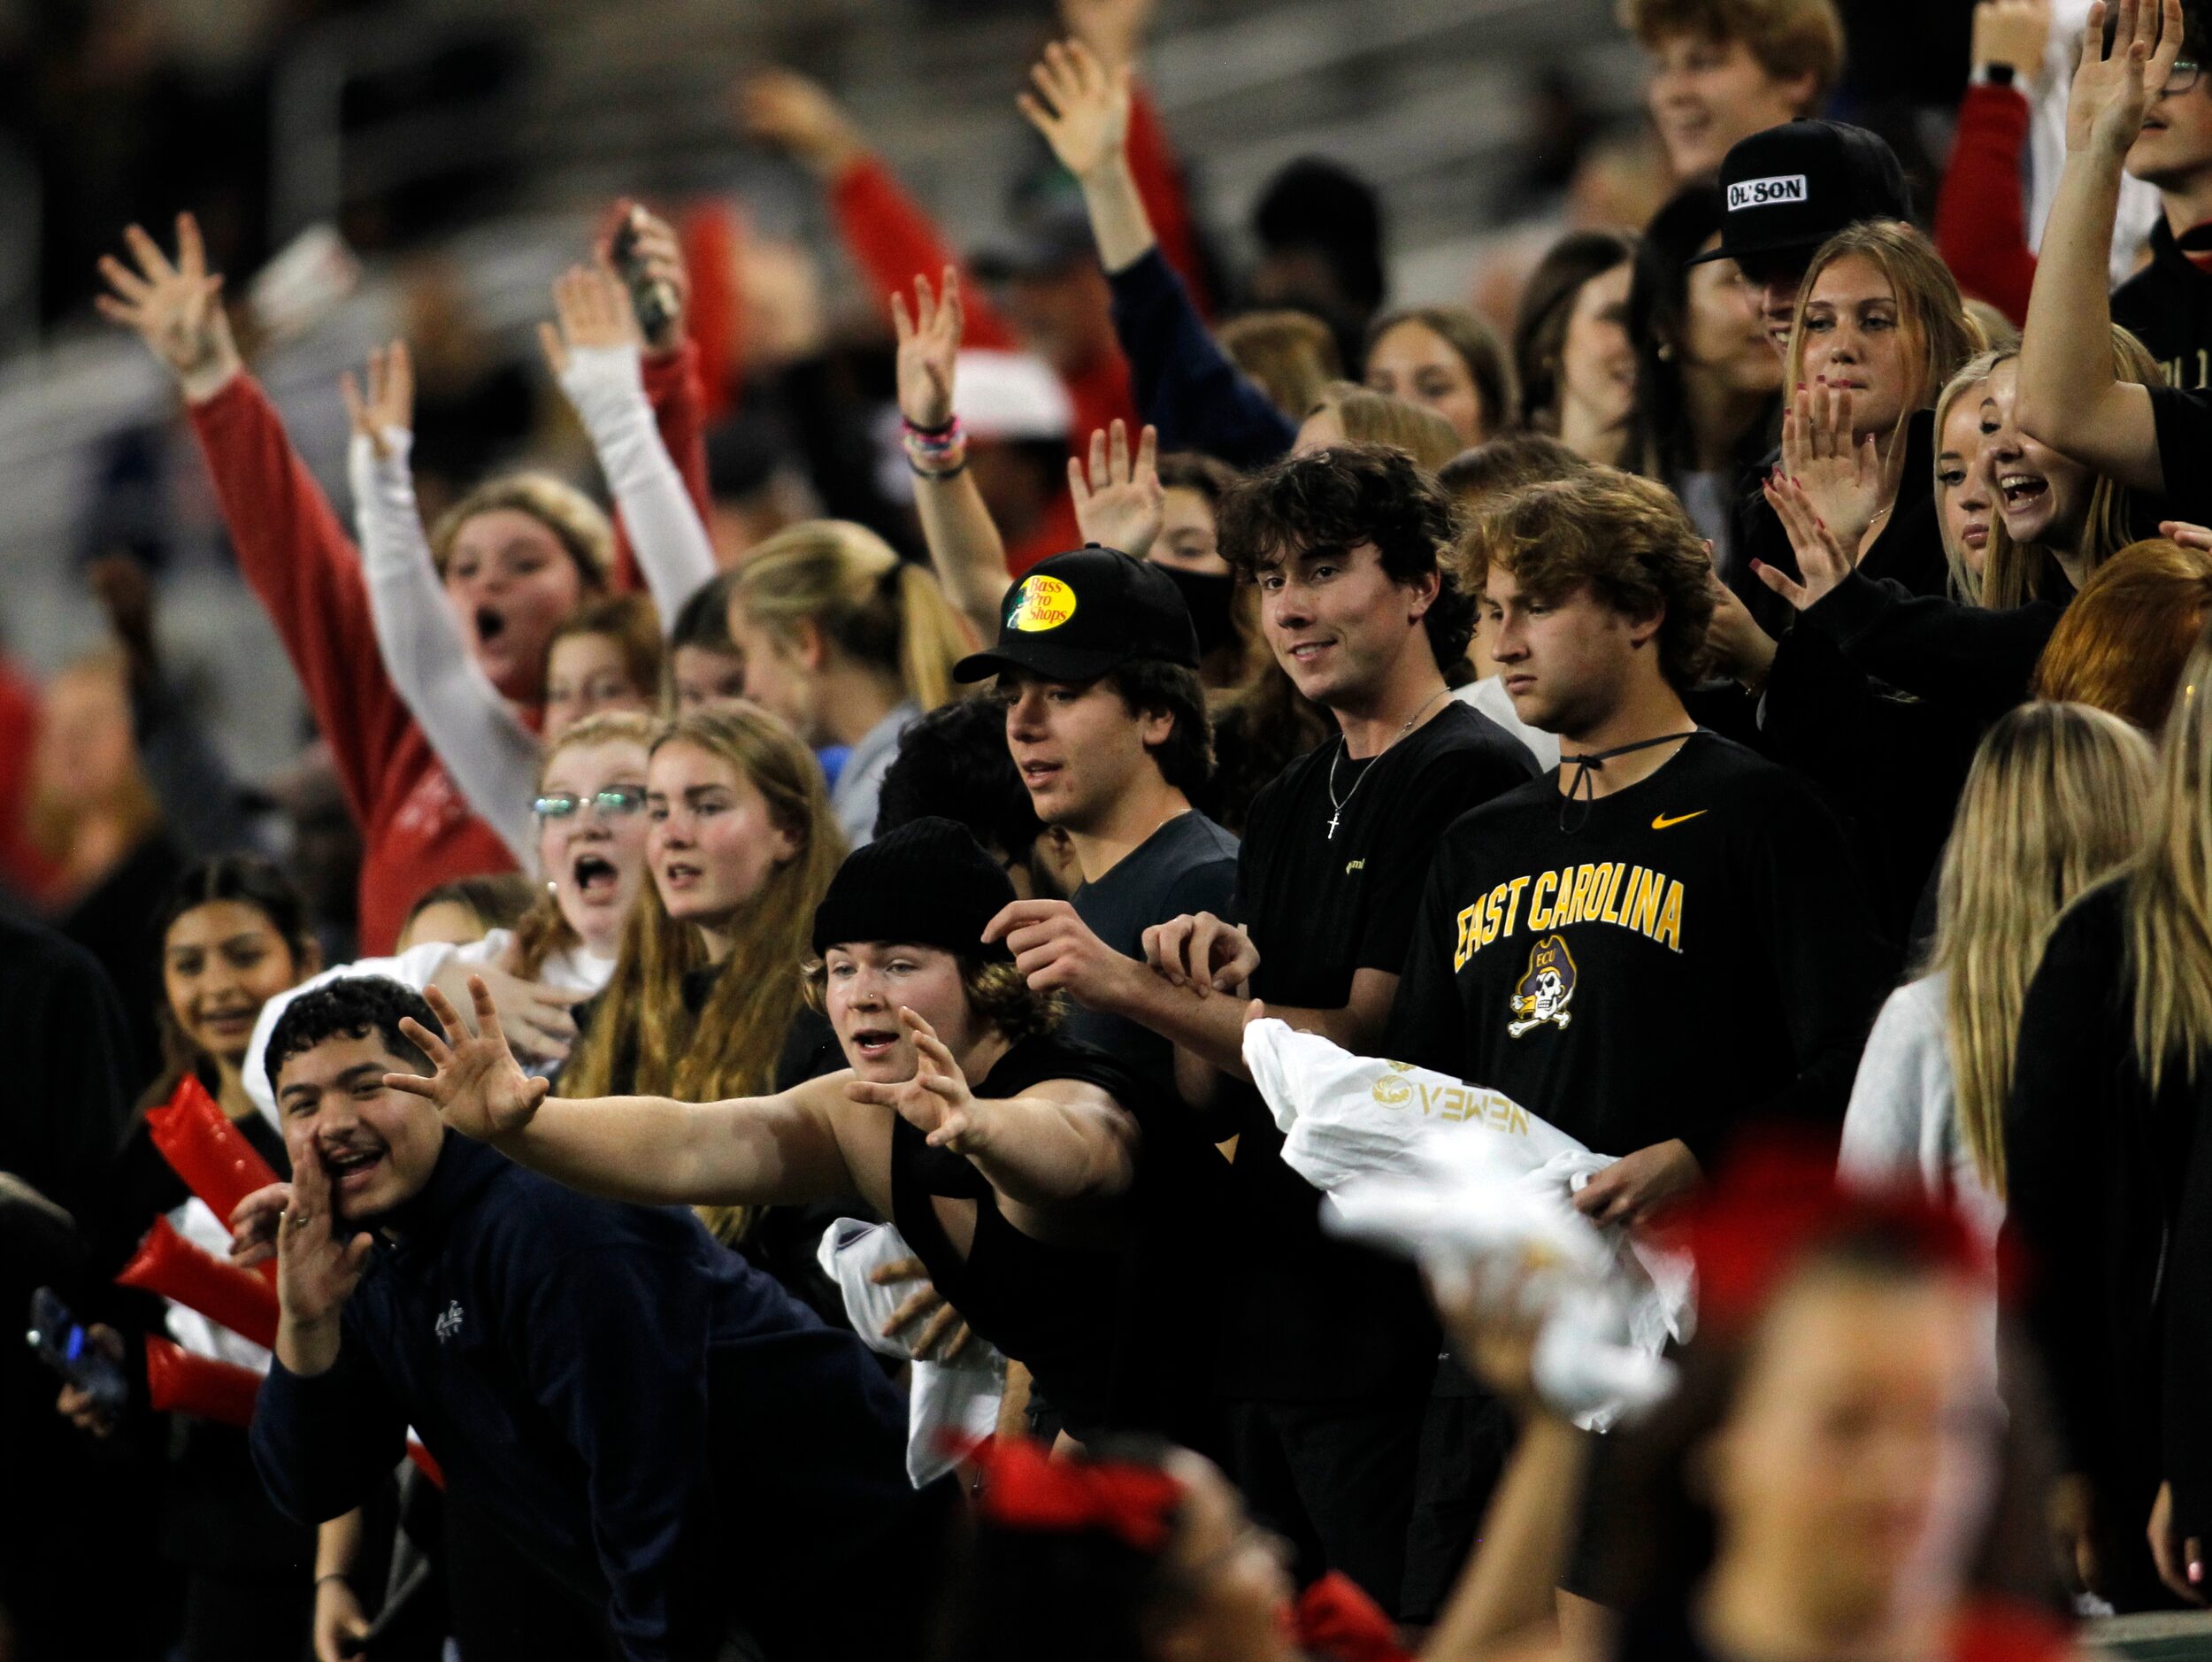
1660	822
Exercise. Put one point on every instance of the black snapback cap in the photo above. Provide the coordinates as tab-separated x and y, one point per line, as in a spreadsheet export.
1076	616
1787	190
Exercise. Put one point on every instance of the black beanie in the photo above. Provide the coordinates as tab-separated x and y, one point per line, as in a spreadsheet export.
928	883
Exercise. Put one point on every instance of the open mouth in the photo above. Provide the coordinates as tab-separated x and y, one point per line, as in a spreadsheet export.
228	1020
490	625
872	1045
596	876
1036	774
352	1169
1307	651
677	875
2019	489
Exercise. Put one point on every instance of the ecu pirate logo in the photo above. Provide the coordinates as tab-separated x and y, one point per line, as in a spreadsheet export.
1545	988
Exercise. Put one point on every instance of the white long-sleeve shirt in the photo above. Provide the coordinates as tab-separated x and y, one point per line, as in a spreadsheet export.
492	756
1903	1126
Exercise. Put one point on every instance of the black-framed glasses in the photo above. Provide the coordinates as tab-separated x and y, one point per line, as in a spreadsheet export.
615	800
2181	78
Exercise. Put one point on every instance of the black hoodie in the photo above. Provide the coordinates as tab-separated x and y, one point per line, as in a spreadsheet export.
2168	306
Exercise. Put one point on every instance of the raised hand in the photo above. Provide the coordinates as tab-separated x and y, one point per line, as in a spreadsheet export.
1113	29
796	115
478	1089
929	345
936	1099
1840	472
1120	501
2113	90
594	313
1823	560
2013	33
389	405
653	259
1081	106
320	1262
944	1330
176	309
1055	950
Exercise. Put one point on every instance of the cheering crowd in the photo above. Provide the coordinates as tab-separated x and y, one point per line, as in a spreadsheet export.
1120	998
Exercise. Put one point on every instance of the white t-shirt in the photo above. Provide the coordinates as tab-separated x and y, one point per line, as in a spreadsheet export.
1903	1126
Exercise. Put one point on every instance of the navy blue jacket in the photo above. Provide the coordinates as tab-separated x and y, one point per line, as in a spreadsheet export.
640	1409
1185	384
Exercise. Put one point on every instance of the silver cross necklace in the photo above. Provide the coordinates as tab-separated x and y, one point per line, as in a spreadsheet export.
1338	804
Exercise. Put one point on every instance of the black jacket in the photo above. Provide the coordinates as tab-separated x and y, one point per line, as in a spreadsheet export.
2094	1167
2168	306
635	1408
1909	552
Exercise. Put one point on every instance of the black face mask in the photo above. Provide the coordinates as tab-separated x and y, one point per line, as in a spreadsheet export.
1208	596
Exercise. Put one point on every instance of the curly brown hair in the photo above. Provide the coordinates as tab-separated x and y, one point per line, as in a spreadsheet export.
1625	539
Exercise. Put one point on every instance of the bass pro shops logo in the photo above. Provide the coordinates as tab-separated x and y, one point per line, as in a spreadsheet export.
1041	604
1767	193
1545	988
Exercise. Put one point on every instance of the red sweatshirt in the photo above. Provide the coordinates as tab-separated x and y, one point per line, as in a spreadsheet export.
416	829
892	241
1981	222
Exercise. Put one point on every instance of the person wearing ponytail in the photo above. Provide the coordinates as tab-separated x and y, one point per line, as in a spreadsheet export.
848	645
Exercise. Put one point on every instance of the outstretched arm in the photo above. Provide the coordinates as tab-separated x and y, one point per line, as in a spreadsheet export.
594	355
966	549
492	757
2068	395
1062	1142
754	1151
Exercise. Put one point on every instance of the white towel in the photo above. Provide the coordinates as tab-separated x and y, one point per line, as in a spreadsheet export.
949	1403
1467	1180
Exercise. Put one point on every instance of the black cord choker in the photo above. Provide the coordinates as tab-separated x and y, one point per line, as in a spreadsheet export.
1584	791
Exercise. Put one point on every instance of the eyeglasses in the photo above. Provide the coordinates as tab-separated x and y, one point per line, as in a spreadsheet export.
616	801
2181	78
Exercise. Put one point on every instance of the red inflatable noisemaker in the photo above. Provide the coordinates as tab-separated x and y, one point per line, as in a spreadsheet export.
167	1264
208	1152
179	1382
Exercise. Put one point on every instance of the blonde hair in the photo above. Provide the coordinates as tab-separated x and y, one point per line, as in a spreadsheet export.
2055	801
875	607
2013	576
1376	418
1291	356
2169	902
1931	312
543	931
573	518
730	1049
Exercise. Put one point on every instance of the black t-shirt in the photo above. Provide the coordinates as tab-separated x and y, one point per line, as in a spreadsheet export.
1696	950
1189	865
1108	1333
2184	452
1318	1320
2168	306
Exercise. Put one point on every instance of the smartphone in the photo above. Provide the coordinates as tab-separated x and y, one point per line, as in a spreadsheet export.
63	1345
653	299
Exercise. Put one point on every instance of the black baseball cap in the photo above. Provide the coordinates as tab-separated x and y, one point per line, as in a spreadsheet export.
1787	190
1076	616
